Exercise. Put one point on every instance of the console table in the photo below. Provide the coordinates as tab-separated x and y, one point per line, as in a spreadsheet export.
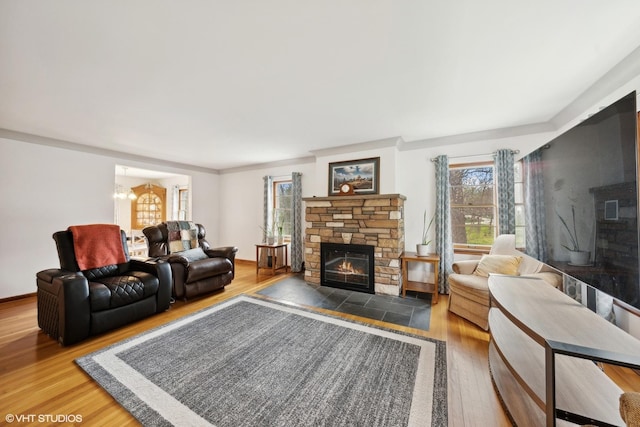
269	257
526	313
430	288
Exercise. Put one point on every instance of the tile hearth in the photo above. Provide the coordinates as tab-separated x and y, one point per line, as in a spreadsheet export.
413	311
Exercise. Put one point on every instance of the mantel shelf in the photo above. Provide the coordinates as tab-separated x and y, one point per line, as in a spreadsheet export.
354	196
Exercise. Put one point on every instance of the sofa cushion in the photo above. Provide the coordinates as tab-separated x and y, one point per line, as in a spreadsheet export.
209	267
118	291
191	255
498	264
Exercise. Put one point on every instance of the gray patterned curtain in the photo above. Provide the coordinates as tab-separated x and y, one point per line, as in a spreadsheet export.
297	256
268	203
444	241
506	196
536	242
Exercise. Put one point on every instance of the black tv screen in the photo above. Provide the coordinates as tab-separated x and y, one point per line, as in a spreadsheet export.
591	201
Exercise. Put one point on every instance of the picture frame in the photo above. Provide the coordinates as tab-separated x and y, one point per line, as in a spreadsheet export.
362	176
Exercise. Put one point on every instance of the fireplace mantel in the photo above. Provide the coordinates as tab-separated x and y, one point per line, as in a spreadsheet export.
372	219
354	197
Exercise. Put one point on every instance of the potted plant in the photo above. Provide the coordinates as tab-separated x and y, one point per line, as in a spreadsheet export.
269	234
577	256
280	223
422	248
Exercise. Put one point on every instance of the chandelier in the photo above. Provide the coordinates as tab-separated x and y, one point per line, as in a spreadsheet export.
122	193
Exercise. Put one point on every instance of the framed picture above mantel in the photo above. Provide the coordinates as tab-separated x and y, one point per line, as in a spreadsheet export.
354	177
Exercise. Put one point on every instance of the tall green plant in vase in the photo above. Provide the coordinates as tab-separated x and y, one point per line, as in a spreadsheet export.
422	248
577	256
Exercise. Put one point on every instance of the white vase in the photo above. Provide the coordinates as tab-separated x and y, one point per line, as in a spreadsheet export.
422	250
271	240
579	257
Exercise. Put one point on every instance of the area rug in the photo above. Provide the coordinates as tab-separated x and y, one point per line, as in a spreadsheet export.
251	362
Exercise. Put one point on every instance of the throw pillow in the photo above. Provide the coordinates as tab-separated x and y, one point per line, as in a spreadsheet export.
192	255
498	264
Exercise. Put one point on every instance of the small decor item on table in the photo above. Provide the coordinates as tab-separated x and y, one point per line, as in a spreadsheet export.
423	248
354	177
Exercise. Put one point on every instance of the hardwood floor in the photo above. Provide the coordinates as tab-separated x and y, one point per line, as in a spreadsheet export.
39	377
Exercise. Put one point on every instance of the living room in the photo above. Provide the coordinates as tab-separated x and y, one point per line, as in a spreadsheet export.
53	179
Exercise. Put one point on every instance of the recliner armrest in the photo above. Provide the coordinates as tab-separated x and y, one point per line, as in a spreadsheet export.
224	251
162	270
466	266
63	298
47	276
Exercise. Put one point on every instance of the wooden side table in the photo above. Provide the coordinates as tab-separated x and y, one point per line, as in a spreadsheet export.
430	288
265	252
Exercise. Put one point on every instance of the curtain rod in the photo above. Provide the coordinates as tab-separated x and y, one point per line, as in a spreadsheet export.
433	159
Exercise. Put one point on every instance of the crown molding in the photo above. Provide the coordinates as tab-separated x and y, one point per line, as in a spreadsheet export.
67	145
255	166
501	133
394	141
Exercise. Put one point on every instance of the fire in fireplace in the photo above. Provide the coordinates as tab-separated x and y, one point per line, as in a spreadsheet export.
347	266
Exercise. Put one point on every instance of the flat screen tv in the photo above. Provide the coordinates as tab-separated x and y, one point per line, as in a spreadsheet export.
590	176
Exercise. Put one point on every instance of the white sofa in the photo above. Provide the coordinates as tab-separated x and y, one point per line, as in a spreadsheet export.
468	284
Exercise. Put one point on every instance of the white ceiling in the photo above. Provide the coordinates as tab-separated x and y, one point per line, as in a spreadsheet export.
222	84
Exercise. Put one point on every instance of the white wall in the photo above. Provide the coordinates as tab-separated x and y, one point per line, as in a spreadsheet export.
45	189
242	209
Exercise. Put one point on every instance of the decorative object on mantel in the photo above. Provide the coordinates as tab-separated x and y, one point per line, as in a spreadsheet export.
422	248
354	177
577	256
346	189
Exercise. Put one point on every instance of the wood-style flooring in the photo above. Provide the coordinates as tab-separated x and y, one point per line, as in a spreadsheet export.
39	377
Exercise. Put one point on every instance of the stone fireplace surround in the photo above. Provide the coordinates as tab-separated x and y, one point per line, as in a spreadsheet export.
376	220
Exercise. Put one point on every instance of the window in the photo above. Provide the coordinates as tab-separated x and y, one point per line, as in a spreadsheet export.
518	183
282	203
183	204
473	207
149	207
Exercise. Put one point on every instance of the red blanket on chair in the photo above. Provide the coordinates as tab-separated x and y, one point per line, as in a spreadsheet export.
97	245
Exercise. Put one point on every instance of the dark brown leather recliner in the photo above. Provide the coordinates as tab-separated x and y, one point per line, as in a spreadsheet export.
74	304
196	271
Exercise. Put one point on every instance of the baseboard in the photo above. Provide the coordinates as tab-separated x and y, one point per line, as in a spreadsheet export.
17	297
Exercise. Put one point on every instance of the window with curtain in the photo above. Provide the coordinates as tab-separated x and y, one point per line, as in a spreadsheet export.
282	203
473	205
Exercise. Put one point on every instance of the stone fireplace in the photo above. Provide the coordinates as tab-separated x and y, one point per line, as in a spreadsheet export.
375	220
347	266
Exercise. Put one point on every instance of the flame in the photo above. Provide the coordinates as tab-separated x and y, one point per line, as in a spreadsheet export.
348	268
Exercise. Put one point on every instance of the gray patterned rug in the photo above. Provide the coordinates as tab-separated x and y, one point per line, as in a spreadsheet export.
250	362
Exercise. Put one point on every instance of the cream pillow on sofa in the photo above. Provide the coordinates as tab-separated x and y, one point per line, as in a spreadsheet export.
498	264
